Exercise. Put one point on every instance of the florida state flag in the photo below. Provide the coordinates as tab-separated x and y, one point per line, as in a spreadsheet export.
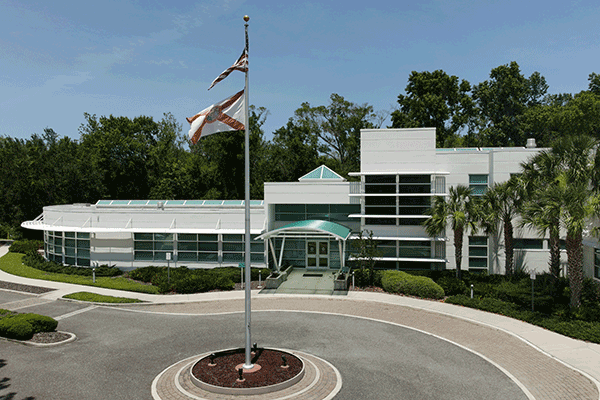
227	115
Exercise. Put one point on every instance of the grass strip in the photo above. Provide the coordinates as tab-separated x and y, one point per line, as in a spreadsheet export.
12	264
99	298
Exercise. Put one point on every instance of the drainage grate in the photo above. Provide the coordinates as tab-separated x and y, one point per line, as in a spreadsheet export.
313	275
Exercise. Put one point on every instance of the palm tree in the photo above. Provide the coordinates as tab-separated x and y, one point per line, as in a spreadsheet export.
542	207
575	177
499	206
458	210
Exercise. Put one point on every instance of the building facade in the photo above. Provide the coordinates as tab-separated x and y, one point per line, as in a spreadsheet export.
401	172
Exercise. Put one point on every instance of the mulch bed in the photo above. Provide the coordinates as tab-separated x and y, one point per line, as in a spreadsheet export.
224	374
49	337
24	288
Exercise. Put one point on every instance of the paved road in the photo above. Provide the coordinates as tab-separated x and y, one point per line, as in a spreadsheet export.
118	353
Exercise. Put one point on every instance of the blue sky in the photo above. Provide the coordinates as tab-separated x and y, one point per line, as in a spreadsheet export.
62	58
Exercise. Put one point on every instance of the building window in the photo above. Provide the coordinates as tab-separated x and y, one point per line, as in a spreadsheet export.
326	212
478	253
478	184
152	246
597	263
68	247
528	244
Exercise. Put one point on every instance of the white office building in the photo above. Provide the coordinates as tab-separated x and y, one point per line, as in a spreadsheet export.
308	223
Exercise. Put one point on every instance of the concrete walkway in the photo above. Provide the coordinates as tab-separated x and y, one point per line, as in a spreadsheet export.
576	354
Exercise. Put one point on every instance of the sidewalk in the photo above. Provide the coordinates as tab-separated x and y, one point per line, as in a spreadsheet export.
579	355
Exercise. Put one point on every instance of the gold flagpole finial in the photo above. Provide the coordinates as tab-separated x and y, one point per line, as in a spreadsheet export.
246	18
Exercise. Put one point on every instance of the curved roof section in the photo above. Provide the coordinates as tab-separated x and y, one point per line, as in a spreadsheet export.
184	203
311	226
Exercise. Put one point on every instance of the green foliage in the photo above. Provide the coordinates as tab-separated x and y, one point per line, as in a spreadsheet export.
185	280
39	323
583	330
362	277
26	246
12	263
435	99
99	298
403	283
24	326
144	274
35	260
337	127
13	328
452	285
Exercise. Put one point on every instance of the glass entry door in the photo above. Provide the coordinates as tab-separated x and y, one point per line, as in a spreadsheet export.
317	254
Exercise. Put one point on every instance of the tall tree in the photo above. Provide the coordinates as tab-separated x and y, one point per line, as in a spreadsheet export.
293	152
458	210
117	150
501	102
435	99
594	85
337	126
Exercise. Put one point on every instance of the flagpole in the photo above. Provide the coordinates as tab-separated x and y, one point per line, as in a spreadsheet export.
248	360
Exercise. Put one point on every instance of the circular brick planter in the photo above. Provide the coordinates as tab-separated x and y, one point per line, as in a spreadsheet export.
219	372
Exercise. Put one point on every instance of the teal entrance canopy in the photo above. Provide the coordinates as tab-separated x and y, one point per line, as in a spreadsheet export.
311	226
312	229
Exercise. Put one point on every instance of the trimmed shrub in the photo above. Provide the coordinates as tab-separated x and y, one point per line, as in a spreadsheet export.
39	323
186	280
25	246
13	328
401	282
583	330
34	260
144	274
452	285
362	277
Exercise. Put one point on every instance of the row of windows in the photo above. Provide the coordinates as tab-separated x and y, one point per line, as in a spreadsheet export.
327	212
394	221
195	247
404	249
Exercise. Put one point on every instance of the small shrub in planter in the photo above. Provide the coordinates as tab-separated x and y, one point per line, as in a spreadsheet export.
401	282
14	328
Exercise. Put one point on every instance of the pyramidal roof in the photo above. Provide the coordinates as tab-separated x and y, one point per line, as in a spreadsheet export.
321	173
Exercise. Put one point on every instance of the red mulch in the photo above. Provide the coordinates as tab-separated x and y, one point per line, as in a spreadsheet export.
224	374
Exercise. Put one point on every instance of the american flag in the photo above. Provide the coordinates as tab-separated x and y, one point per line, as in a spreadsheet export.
240	65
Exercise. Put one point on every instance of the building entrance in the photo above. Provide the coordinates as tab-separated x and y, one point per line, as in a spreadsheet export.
317	254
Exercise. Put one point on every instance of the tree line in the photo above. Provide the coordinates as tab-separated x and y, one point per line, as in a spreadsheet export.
140	158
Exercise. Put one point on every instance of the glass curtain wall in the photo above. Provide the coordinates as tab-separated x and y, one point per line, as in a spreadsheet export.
72	248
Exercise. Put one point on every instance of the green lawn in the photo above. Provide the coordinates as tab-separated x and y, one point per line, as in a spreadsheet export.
99	298
12	264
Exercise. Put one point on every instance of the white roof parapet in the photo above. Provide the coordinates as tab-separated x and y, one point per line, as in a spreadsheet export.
404	172
40	226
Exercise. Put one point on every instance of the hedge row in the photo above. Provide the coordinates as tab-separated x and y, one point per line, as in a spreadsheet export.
25	246
185	280
35	260
404	283
24	326
575	328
